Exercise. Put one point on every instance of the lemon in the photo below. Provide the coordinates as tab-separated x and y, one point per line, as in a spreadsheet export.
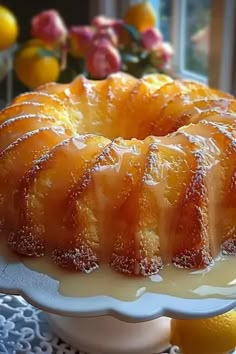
34	69
8	28
216	335
141	16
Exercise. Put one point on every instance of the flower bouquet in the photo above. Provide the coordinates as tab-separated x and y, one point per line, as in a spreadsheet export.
107	45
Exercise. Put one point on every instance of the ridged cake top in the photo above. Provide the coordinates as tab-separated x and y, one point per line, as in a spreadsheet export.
122	106
132	172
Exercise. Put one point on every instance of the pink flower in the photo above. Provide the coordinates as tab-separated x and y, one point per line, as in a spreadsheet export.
116	25
167	51
102	59
104	21
150	38
161	55
49	27
80	40
106	34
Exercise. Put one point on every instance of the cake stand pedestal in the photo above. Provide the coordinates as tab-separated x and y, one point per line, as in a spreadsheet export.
108	335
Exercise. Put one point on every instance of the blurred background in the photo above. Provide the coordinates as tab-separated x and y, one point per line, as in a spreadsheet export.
43	41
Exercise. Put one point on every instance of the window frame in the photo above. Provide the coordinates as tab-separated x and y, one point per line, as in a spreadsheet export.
178	39
222	48
107	7
222	41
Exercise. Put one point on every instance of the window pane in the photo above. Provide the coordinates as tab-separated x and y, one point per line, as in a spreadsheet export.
163	11
196	33
164	18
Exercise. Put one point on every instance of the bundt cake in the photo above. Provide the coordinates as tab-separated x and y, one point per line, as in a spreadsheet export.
135	173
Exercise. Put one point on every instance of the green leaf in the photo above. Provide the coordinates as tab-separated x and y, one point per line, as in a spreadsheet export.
129	58
133	32
44	52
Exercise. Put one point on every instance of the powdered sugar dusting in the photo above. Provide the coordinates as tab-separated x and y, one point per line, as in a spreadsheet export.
132	266
22	117
192	259
26	242
81	259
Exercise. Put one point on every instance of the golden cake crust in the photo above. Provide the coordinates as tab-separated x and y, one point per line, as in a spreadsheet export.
136	173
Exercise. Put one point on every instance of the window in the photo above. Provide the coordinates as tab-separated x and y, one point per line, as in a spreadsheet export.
195	27
203	35
190	37
163	10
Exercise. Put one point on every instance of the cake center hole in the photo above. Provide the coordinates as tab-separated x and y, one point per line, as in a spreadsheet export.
120	109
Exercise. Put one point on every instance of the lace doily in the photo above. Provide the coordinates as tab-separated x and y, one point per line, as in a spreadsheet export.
25	330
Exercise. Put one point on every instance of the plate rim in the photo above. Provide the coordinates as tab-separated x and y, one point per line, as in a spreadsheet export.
41	291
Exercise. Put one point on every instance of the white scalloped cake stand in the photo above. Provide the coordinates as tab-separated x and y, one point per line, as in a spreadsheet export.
104	325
